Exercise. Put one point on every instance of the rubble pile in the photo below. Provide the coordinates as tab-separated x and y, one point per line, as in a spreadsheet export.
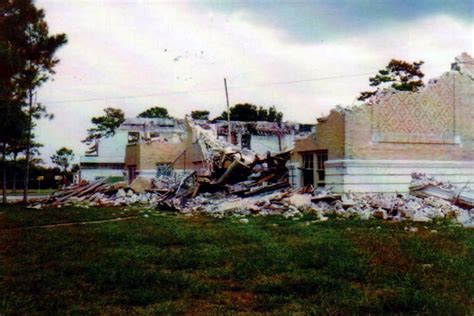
264	191
323	203
100	193
231	178
238	182
230	172
423	186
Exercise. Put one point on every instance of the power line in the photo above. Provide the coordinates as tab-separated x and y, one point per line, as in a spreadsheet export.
206	90
306	80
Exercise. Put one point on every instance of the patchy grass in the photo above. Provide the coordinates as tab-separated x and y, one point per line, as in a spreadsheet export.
167	263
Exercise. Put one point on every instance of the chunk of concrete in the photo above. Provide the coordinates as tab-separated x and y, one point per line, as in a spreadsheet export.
141	184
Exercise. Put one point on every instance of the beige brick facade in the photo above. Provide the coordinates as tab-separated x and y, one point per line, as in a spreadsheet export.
146	156
376	147
434	124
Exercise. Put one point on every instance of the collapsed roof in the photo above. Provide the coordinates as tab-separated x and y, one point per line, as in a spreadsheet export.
262	128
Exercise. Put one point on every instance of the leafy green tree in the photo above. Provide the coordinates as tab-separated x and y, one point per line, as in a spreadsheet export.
25	39
274	115
262	114
155	112
399	75
105	125
200	115
247	112
63	158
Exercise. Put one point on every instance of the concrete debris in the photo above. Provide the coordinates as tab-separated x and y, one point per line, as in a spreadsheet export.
141	184
423	186
164	182
265	192
292	204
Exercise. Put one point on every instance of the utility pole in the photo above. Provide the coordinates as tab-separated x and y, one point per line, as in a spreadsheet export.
229	128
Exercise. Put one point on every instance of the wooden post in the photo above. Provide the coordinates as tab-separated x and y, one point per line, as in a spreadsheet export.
229	129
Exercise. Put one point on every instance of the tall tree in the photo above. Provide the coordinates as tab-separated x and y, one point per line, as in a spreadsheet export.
399	75
25	34
105	125
63	159
247	112
10	102
12	128
200	115
155	112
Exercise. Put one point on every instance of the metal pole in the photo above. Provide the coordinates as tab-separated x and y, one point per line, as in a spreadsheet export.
184	162
229	128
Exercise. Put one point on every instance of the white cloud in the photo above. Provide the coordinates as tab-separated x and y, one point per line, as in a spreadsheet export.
129	49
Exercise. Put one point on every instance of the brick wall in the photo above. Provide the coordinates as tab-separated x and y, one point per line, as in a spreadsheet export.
371	134
145	155
132	154
329	135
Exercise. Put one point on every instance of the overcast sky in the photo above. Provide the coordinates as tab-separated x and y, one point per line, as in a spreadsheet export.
138	54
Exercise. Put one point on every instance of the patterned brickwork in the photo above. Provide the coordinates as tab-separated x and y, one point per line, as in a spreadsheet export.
361	135
425	117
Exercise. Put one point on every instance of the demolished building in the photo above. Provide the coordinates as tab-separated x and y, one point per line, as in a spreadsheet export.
262	137
160	147
154	147
180	147
376	147
105	158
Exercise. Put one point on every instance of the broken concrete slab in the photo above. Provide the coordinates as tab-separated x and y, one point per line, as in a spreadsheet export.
141	184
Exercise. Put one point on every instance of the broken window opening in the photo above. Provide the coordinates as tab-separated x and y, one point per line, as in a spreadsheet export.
233	138
321	157
245	141
133	137
308	169
164	169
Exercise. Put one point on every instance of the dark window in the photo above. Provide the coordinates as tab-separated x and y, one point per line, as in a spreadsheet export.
233	138
321	157
308	161
308	169
133	137
163	169
132	173
245	141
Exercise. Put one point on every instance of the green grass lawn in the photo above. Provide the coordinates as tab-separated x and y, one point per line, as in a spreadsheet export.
167	263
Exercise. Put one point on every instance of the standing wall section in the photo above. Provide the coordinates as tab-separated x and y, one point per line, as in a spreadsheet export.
430	131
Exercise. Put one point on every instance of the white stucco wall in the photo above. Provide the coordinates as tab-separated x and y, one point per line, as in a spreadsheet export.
110	150
94	174
262	144
393	175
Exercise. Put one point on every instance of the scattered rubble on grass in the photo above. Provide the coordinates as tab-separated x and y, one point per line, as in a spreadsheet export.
424	187
240	183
